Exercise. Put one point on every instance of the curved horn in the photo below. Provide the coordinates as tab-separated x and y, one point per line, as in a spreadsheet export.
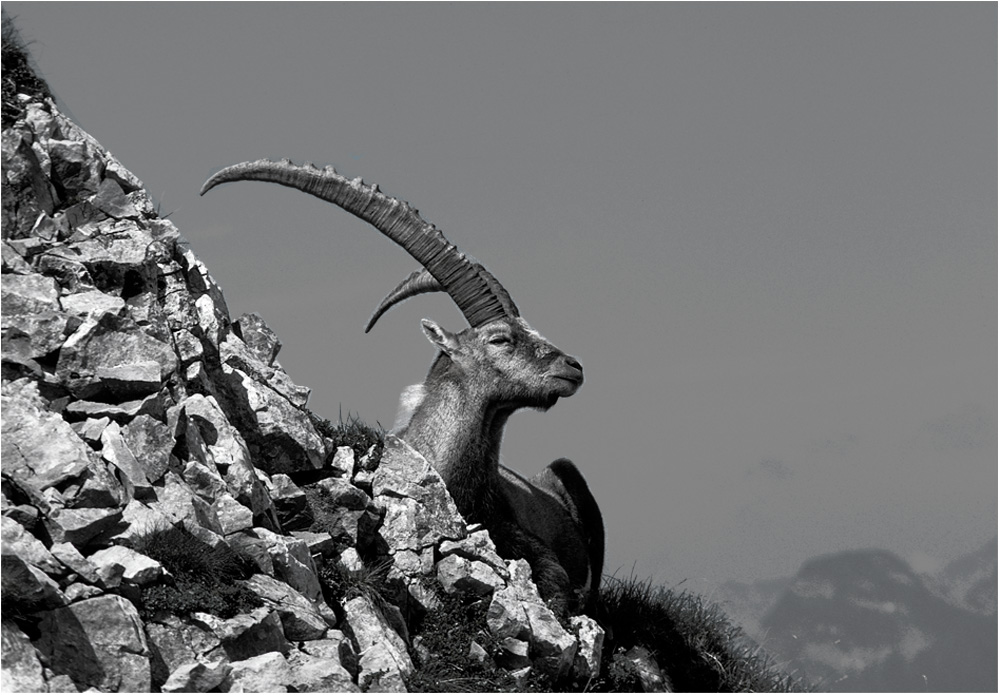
479	296
417	282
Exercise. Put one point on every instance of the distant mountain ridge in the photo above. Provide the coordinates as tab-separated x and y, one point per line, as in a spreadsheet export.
864	620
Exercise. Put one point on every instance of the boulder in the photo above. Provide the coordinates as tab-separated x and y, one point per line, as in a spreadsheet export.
265	673
301	618
39	448
247	635
99	643
21	670
384	661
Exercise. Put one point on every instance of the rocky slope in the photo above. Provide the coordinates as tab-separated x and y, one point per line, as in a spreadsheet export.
174	518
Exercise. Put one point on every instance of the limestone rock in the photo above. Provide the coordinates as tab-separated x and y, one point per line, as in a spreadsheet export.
78	526
319	674
21	670
118	562
265	673
197	677
384	661
40	449
518	611
590	637
651	677
17	541
99	643
177	643
293	563
300	617
246	635
458	574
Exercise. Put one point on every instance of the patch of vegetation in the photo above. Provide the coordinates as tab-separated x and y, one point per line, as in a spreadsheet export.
355	434
18	75
205	578
443	663
340	585
693	642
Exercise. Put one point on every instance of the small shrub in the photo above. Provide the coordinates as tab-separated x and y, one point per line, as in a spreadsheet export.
355	434
340	585
18	75
205	578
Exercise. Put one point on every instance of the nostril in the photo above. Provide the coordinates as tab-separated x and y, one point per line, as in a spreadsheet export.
572	362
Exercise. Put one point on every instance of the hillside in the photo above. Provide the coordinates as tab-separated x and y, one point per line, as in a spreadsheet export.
175	519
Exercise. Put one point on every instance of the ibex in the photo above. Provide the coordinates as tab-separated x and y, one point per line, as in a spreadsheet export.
456	418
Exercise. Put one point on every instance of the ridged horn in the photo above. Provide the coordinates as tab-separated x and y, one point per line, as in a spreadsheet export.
479	296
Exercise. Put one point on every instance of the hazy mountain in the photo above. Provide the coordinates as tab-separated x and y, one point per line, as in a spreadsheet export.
865	621
746	603
970	581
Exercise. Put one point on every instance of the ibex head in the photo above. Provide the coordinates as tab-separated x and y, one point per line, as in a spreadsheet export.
499	353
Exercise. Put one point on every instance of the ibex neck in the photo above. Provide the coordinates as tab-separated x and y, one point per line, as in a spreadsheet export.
460	435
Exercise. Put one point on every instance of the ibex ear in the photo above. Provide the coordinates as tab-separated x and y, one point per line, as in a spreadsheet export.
439	337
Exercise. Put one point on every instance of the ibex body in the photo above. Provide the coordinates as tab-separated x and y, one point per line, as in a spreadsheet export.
482	375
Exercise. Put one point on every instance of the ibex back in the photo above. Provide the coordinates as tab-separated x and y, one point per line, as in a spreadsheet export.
480	377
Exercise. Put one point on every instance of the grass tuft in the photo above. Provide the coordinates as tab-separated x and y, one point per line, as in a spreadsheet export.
693	642
355	434
19	77
205	578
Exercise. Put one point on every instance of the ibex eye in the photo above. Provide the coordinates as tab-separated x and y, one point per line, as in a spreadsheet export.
500	340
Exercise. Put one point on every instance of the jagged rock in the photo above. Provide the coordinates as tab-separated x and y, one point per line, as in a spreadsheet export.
349	513
178	501
246	635
300	617
39	448
154	440
258	337
78	591
418	510
343	461
238	355
118	562
69	556
458	574
384	661
515	654
90	430
293	563
99	643
290	503
336	647
320	544
651	677
319	674
21	670
176	643
116	452
590	637
119	412
17	541
107	342
476	546
232	515
249	545
27	585
518	611
223	447
28	294
77	526
197	677
92	303
266	673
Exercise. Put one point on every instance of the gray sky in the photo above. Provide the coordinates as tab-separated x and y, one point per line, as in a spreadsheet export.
769	232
